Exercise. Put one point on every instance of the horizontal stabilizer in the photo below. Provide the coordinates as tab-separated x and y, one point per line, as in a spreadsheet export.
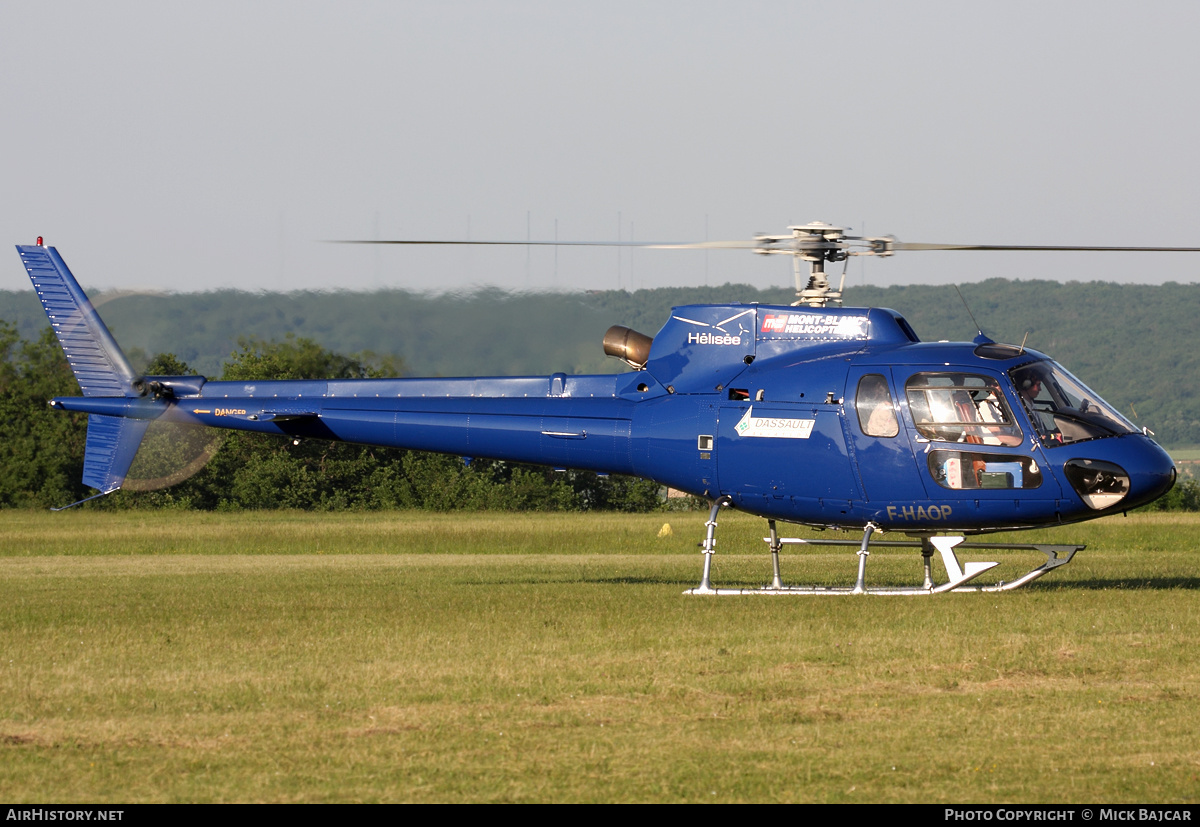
95	358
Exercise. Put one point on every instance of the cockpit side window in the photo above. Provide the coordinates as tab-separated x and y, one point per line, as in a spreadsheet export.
961	407
873	401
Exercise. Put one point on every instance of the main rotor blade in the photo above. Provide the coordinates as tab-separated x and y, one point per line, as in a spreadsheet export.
655	245
779	244
905	245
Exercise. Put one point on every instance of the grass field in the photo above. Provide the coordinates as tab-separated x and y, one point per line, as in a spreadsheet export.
411	657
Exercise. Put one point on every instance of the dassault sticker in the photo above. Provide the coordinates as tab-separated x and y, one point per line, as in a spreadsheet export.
777	427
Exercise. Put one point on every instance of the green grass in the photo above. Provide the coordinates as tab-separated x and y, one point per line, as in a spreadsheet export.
413	657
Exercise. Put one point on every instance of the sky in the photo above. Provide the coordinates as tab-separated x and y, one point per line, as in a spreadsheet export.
196	146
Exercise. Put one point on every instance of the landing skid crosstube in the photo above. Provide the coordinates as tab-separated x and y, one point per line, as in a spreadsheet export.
959	574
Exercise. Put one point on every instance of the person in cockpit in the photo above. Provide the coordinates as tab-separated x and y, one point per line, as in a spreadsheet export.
1029	386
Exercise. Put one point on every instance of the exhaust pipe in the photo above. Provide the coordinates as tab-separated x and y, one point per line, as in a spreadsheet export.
629	346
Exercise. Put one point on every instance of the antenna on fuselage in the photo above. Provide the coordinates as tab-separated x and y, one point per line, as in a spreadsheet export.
968	308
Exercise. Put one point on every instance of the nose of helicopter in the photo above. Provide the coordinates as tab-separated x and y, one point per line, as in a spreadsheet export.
1121	473
1155	476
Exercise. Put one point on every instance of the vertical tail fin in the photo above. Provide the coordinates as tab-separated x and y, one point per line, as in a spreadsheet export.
98	364
95	358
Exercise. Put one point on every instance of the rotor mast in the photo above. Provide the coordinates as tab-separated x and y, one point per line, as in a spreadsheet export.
817	243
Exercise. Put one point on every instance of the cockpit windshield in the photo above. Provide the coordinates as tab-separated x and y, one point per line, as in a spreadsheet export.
1063	409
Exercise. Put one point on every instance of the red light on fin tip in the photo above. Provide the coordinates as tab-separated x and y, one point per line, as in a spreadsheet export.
39	241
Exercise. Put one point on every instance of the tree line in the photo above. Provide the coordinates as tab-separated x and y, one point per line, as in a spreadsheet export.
41	450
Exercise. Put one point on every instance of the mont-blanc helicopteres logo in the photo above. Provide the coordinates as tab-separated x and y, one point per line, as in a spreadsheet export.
814	324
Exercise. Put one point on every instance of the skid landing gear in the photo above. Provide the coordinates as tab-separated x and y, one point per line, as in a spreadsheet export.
959	574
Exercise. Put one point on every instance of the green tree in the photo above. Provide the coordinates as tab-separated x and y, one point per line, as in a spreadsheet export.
41	450
263	471
183	465
167	364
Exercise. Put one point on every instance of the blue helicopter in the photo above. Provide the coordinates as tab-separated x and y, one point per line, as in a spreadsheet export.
810	414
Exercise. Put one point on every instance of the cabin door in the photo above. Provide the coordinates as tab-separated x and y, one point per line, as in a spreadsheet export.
881	452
